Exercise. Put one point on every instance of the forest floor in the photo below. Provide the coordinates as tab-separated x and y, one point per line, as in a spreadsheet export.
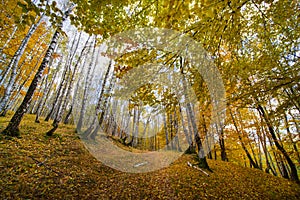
59	167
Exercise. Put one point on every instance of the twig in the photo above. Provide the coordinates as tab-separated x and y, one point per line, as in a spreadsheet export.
140	164
191	165
46	166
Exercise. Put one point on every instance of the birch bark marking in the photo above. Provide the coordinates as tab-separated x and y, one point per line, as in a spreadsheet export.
13	65
13	127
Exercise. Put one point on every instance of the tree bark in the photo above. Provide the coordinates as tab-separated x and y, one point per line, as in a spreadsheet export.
20	87
166	130
13	127
294	174
101	107
13	65
86	86
201	154
5	45
44	99
252	163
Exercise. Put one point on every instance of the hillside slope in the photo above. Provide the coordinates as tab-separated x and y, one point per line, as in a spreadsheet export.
68	171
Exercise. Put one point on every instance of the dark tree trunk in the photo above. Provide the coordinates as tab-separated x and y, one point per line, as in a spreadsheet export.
222	146
58	94
13	127
201	154
68	116
252	163
43	101
13	65
205	131
294	174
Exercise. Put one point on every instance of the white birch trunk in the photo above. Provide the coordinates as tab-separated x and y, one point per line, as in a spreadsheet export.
13	65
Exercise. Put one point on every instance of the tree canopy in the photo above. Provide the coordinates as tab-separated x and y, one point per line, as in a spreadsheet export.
51	53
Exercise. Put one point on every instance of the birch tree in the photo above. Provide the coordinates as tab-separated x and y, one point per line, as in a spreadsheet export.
13	65
13	127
